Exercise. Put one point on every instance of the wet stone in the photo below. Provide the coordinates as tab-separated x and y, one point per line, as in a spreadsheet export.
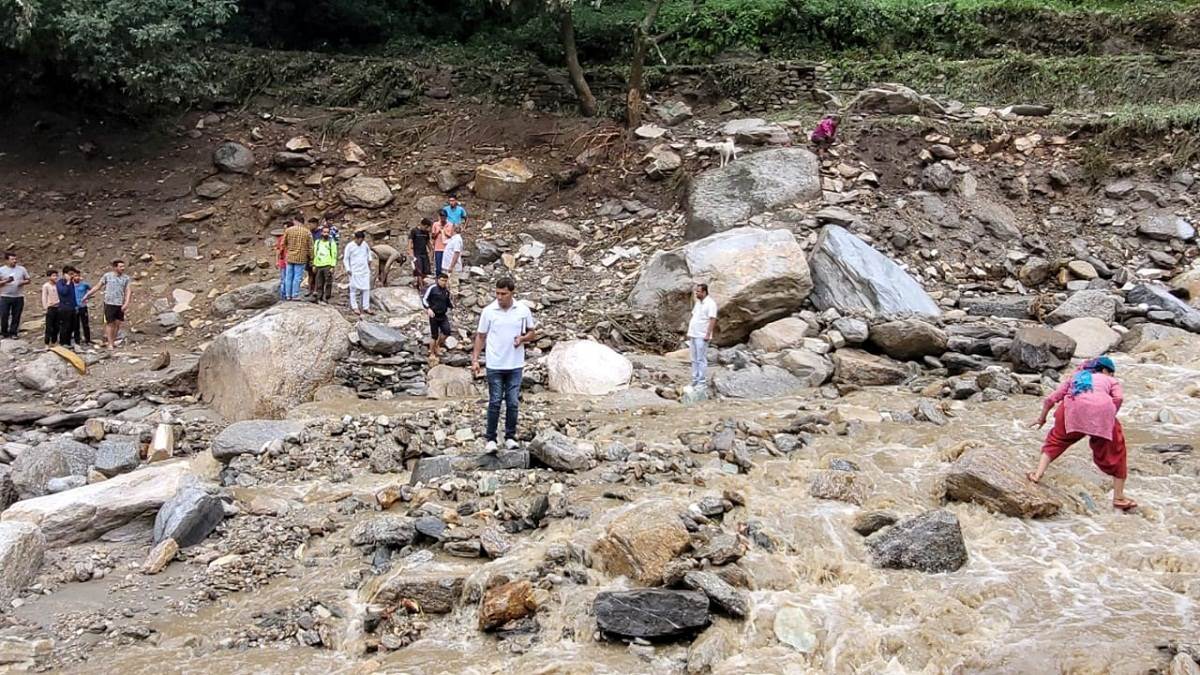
651	614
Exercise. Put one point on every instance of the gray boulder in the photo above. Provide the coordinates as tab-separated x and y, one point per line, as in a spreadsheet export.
755	276
1036	349
724	198
554	232
387	531
117	455
988	477
1085	304
854	366
651	613
272	362
909	339
1164	226
1005	306
251	437
233	158
756	131
996	218
809	367
366	192
1159	297
931	542
378	338
46	372
22	547
189	517
52	459
754	382
895	99
673	112
851	277
251	296
559	452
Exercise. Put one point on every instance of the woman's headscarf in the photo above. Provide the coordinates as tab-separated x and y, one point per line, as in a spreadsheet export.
1082	381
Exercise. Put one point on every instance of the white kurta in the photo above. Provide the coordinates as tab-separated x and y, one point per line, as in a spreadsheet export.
357	260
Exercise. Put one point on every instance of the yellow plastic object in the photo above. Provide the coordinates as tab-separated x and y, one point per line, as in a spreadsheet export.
71	358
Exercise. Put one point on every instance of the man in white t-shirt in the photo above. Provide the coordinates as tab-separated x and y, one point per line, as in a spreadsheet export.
452	263
13	280
700	333
506	326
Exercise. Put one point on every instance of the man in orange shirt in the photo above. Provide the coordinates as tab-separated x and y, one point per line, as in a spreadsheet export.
442	231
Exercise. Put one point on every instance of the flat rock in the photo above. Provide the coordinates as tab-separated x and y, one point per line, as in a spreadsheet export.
779	335
651	613
118	454
854	366
1159	297
449	382
554	232
251	437
909	339
1083	304
378	338
989	477
1092	337
559	452
810	368
757	382
727	598
251	296
1164	226
756	131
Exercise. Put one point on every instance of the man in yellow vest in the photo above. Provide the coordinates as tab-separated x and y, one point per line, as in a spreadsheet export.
325	257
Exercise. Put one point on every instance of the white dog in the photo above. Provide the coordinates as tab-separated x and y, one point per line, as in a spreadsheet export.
727	150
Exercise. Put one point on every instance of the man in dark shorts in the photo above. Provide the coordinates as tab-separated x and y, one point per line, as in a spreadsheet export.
420	246
437	304
117	294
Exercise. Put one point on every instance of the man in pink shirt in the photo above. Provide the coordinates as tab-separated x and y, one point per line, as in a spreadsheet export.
1090	400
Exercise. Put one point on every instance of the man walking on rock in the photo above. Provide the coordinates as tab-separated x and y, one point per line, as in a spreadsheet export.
442	231
298	247
117	294
700	333
437	303
13	279
358	266
506	326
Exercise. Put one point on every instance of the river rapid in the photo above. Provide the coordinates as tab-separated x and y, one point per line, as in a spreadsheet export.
1092	590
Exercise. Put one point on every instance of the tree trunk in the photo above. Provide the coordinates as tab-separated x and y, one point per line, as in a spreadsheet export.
637	66
566	34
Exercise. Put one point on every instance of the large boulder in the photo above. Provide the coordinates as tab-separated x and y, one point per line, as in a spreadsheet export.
368	192
990	478
53	459
756	131
895	99
444	381
1188	282
779	335
1083	304
559	452
640	542
1092	337
724	198
812	369
854	366
251	437
651	613
909	339
46	372
258	295
22	547
378	338
1036	348
588	368
189	517
118	454
1150	335
755	382
755	276
851	277
396	300
83	514
554	232
1159	297
233	158
931	542
505	181
1164	226
272	362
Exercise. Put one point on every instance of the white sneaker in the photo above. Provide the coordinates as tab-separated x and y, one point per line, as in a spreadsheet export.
511	444
490	447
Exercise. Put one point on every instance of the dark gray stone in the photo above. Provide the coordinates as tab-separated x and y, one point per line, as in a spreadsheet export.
251	437
379	339
1159	297
1036	349
1085	304
251	296
64	420
292	160
724	198
651	613
118	454
931	542
53	459
189	517
233	158
559	452
24	413
1006	306
8	491
430	526
754	382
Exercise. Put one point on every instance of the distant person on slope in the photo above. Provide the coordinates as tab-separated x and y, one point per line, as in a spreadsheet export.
358	266
437	303
700	333
825	134
117	294
456	214
1088	403
67	304
83	324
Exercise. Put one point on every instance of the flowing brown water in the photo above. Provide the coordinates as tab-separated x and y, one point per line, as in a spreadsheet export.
1090	591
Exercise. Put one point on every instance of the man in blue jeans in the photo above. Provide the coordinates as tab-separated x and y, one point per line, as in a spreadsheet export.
506	327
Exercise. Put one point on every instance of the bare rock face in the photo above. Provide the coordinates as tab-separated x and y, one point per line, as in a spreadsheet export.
988	477
641	541
755	276
725	198
852	277
263	367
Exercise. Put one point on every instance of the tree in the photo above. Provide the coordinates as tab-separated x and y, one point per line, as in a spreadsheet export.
137	51
562	11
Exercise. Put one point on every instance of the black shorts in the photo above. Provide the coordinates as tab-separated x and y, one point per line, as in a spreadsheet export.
113	313
439	325
421	265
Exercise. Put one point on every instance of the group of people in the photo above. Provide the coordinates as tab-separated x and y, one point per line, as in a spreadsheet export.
64	299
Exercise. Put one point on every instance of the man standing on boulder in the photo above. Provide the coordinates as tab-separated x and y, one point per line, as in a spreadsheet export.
700	333
117	294
13	279
298	248
456	214
358	266
506	326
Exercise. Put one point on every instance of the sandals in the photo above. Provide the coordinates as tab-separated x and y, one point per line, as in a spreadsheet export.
1124	504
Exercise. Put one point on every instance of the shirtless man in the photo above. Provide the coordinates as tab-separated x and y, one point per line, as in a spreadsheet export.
388	257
